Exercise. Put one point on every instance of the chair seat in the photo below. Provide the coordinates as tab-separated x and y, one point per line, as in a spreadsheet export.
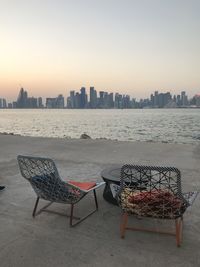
157	203
83	185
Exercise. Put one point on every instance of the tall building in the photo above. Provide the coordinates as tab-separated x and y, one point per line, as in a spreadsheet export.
77	100
50	102
118	101
111	102
56	102
125	101
10	105
60	103
152	100
93	98
3	103
184	100
32	102
39	102
178	100
83	98
72	99
197	98
155	104
22	99
101	99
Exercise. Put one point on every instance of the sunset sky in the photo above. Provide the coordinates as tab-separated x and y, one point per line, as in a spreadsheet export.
127	46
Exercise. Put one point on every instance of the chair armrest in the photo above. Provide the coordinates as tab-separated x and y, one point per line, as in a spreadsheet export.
190	197
93	188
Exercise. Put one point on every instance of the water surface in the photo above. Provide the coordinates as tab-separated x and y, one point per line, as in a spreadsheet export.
156	125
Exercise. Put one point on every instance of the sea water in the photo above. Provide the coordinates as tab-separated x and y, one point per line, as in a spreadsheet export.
153	125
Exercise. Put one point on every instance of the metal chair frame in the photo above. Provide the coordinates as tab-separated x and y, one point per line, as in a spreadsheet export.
49	186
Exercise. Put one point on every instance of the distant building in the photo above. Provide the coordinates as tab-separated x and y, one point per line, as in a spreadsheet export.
101	99
3	103
32	102
197	98
10	105
156	99
22	99
57	102
93	98
79	100
39	102
60	102
83	98
50	102
178	100
184	100
14	104
72	99
118	101
110	101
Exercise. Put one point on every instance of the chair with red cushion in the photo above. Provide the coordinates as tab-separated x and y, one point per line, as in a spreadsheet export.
47	184
152	191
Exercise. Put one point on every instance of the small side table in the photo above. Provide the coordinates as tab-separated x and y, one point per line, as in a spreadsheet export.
111	175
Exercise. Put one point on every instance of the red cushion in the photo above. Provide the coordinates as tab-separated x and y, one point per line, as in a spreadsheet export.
83	185
155	196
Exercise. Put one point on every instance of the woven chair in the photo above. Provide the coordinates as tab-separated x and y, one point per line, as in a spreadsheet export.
147	191
47	184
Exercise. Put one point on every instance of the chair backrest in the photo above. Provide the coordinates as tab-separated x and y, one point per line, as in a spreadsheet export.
45	180
147	187
36	166
43	177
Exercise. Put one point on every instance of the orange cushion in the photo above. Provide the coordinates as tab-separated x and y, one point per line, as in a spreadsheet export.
83	185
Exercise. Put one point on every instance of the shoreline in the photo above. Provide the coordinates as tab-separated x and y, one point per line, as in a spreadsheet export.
87	137
100	151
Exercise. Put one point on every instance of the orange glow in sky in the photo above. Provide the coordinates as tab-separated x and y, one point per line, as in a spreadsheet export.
131	47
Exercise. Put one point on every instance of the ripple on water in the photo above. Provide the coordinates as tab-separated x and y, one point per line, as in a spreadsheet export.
174	126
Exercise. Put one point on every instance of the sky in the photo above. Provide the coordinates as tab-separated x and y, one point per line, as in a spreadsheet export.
134	47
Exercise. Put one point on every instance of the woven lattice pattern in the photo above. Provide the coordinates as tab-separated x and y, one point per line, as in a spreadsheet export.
46	182
151	191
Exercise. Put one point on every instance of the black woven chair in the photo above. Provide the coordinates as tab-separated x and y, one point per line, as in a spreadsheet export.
47	184
147	191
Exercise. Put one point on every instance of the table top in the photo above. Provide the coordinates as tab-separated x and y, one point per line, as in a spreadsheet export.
112	173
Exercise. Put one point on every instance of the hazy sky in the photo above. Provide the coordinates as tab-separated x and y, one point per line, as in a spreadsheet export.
126	46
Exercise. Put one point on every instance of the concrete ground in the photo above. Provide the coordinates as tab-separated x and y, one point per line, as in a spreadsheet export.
48	240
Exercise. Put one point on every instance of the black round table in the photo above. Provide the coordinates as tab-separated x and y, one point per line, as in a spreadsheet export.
111	175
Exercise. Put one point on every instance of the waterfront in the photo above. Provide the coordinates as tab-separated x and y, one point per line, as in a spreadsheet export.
152	125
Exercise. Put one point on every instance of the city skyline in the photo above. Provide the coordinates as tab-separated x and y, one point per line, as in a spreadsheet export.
67	92
136	47
92	99
123	92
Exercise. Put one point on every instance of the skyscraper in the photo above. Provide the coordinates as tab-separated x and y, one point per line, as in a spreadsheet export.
22	99
93	98
3	103
83	98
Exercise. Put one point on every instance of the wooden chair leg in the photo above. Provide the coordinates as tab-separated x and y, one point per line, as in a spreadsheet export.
181	229
178	223
123	224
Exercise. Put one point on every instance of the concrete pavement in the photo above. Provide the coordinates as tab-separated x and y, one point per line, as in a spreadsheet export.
48	240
